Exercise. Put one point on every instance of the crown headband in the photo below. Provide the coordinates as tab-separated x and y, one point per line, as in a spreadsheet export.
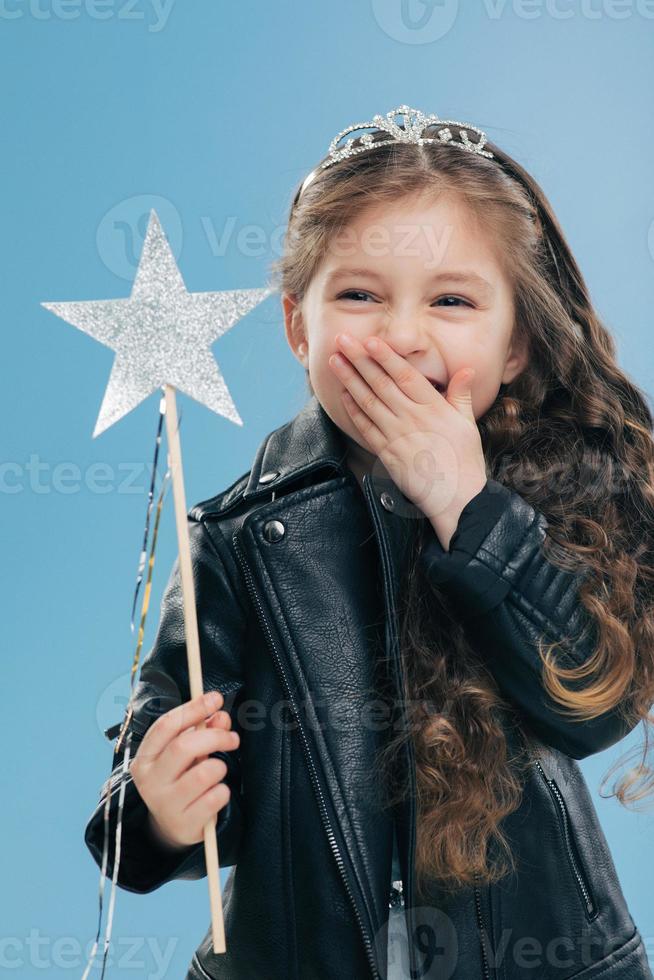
414	124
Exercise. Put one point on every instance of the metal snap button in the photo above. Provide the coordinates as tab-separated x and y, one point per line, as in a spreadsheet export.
387	500
273	531
269	476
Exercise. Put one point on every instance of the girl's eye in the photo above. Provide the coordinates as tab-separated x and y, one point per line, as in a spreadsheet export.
353	292
457	298
361	292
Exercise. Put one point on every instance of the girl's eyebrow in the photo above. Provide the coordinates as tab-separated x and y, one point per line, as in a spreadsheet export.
459	276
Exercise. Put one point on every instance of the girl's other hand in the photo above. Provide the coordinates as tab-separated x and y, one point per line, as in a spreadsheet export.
180	785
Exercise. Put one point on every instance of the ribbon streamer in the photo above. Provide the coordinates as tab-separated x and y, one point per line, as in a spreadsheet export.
122	728
139	578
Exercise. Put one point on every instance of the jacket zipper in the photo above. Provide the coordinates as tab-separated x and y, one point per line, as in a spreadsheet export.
486	969
482	933
314	775
386	562
581	882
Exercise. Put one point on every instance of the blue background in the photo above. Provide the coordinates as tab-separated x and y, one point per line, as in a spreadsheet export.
212	113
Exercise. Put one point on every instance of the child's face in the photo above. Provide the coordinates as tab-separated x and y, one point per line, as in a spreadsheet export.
409	298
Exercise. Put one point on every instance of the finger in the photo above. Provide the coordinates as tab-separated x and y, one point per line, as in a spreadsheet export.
369	385
169	725
191	746
408	380
373	435
221	719
204	776
459	393
208	804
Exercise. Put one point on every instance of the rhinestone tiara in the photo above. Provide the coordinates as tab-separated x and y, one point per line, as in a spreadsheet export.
413	125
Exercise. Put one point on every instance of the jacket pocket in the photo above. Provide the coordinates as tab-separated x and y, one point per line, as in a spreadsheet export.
628	961
575	862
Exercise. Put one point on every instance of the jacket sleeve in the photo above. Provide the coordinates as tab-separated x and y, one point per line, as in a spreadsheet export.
509	595
163	683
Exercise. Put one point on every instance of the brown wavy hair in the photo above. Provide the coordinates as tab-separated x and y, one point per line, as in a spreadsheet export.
573	435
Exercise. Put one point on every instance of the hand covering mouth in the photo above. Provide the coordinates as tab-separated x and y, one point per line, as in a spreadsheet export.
438	385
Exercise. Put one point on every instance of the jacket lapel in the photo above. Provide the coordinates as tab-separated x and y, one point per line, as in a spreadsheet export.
308	442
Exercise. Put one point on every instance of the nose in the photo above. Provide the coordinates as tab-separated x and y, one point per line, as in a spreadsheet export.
405	335
402	332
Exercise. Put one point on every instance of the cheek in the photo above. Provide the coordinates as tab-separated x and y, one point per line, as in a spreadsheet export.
484	394
326	383
321	370
484	358
323	347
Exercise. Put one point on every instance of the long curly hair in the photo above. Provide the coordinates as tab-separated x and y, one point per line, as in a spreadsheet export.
573	435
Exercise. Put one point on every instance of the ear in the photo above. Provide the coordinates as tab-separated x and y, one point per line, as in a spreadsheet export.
294	328
516	361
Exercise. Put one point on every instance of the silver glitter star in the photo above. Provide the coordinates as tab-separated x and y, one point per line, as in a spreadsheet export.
162	334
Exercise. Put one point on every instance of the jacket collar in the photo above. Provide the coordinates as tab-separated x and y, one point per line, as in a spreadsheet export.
311	440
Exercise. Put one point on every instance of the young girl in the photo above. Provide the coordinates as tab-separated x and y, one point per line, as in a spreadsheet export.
424	602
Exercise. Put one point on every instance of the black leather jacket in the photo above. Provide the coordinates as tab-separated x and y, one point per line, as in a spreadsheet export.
297	575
